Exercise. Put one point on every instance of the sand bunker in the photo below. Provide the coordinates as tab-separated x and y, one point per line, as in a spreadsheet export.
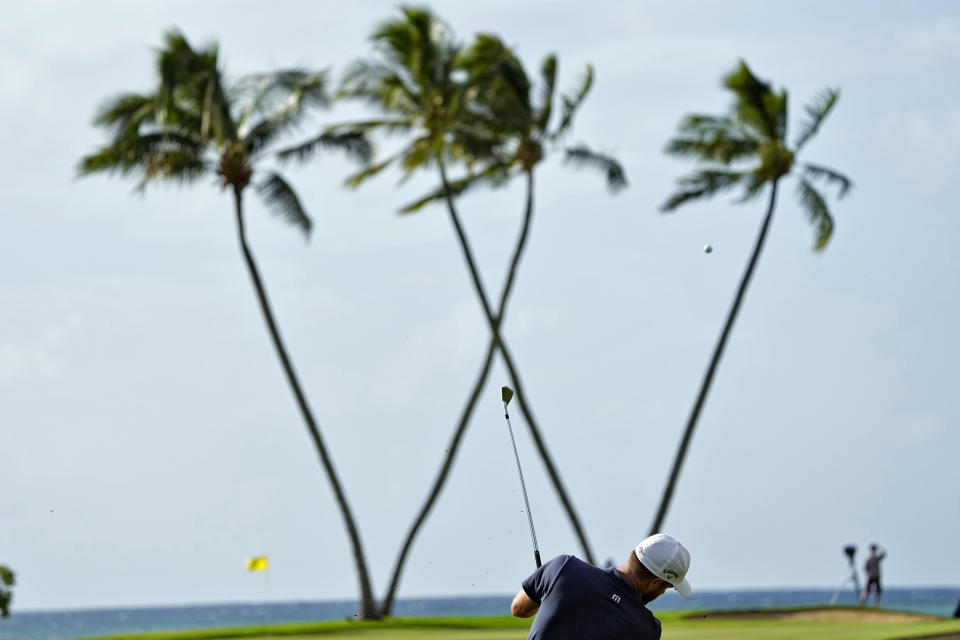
825	615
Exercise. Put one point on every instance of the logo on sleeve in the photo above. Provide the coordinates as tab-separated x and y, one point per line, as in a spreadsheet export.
615	598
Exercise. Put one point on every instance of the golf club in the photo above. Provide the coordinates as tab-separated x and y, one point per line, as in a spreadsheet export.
507	395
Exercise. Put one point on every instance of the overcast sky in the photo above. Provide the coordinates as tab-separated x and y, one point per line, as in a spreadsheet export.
149	440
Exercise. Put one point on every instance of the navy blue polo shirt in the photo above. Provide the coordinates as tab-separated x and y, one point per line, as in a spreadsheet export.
579	601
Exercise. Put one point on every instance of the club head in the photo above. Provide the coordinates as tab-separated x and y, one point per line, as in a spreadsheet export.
507	394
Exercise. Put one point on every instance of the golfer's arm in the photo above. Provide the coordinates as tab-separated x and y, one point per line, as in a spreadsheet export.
522	606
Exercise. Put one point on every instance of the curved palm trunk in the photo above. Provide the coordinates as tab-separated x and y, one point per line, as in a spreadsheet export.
508	360
478	386
545	455
387	604
714	362
367	608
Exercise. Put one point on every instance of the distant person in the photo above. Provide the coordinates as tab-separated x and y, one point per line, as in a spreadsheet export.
872	570
575	600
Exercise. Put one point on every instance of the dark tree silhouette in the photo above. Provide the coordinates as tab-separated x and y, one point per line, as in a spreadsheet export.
7	580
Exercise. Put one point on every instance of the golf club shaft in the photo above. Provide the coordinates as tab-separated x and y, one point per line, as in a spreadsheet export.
523	487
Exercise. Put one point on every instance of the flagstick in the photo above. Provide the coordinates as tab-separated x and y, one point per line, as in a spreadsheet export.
266	595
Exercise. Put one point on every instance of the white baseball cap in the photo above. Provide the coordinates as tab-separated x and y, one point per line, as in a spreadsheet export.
667	559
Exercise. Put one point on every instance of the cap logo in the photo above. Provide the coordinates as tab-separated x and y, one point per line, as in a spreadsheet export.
670	574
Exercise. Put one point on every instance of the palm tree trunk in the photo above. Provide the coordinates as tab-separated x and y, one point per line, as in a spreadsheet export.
467	412
714	362
508	360
544	454
367	609
387	604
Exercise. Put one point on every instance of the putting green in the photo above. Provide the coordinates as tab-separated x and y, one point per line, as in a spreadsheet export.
819	623
800	624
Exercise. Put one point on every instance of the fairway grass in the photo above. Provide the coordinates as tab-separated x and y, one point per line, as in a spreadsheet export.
820	624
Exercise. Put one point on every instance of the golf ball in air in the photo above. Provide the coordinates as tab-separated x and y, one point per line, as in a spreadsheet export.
707	248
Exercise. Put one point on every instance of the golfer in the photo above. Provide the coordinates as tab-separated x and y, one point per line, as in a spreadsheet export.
578	601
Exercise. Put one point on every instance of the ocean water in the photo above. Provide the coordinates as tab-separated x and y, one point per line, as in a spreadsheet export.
87	623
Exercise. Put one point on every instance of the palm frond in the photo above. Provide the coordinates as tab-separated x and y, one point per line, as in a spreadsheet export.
508	66
701	123
582	156
719	149
126	113
474	139
399	41
262	134
548	73
817	172
278	91
381	85
386	125
283	201
182	167
702	184
418	154
817	212
494	176
353	143
817	111
437	46
757	106
502	85
420	43
303	90
191	81
571	102
776	105
355	180
145	153
755	181
713	139
180	118
483	57
173	61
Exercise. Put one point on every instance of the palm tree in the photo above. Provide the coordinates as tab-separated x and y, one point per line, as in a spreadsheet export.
748	148
504	94
194	126
422	85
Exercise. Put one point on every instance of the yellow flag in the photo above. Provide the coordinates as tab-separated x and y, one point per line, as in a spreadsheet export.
257	564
